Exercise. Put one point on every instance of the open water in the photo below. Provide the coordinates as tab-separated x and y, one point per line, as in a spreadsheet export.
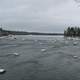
40	58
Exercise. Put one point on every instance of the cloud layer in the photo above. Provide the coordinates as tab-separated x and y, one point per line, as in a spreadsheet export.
39	15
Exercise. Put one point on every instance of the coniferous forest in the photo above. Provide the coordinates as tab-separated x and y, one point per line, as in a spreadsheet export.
72	32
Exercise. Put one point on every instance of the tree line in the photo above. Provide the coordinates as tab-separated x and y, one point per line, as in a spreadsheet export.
72	32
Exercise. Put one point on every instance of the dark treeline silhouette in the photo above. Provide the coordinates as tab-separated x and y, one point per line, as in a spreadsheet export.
72	32
3	32
8	32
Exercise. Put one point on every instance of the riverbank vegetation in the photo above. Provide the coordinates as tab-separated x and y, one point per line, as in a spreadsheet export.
72	32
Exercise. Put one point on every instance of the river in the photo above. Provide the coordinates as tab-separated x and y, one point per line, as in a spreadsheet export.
40	58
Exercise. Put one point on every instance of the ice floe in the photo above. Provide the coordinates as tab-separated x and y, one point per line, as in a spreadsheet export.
16	54
2	71
43	50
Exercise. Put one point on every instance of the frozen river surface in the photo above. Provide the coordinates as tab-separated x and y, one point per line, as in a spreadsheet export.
40	58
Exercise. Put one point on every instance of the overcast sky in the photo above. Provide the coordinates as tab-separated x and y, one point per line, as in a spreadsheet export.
39	15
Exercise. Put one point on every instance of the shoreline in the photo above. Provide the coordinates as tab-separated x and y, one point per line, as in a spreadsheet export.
6	33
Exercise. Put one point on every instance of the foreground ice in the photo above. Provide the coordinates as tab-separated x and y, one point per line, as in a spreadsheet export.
2	71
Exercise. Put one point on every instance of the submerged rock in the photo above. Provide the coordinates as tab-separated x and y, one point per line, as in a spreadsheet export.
2	71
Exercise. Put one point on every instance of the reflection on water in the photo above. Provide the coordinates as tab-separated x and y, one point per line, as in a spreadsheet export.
40	58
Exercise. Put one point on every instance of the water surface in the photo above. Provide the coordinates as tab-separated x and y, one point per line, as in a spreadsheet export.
40	58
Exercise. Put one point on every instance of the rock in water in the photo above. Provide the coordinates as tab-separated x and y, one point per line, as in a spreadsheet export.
2	71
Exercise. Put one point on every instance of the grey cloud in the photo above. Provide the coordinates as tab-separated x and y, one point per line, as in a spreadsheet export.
38	14
78	1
